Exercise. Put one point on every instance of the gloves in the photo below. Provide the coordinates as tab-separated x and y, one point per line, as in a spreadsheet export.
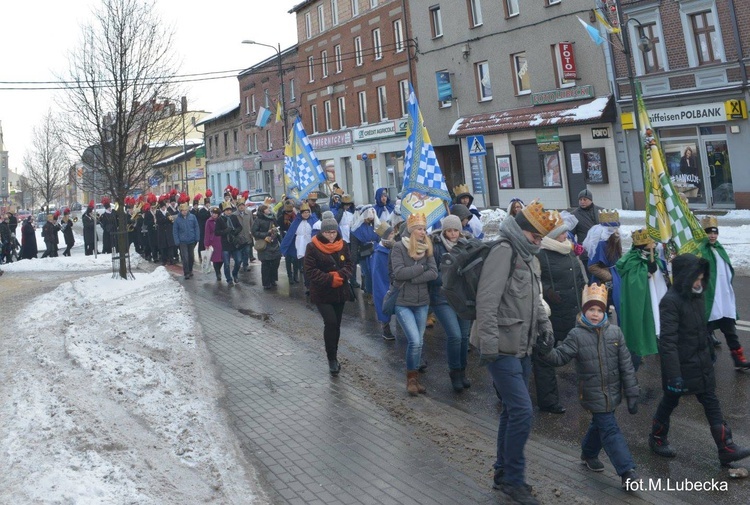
545	342
337	281
676	385
551	296
486	359
426	267
652	267
632	404
578	249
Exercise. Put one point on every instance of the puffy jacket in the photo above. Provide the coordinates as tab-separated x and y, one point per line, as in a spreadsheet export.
262	229
185	229
411	277
319	266
684	345
225	226
562	285
213	240
510	311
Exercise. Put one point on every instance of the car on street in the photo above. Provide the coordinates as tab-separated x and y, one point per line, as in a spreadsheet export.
255	199
22	214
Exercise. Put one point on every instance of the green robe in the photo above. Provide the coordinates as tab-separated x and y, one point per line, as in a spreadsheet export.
705	251
636	316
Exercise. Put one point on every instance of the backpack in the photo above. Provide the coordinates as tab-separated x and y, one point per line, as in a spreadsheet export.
461	269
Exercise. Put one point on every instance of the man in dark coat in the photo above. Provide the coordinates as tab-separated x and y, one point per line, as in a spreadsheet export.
686	353
164	234
28	240
89	229
228	227
49	235
67	228
588	215
149	228
5	239
12	221
203	214
108	222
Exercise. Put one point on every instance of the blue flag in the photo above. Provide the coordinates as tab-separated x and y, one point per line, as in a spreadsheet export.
301	165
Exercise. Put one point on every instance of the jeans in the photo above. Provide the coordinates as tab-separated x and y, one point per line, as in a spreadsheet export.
511	377
413	321
457	335
364	267
187	253
226	256
331	313
604	433
246	255
709	400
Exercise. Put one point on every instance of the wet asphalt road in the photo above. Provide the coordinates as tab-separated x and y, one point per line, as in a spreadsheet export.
690	435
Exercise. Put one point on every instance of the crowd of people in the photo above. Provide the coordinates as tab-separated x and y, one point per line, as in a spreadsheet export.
555	287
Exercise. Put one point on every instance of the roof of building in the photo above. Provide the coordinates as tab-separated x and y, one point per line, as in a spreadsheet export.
177	157
300	6
224	111
596	110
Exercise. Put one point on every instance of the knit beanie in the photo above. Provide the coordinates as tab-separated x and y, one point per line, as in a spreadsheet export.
329	224
327	215
451	222
585	193
525	224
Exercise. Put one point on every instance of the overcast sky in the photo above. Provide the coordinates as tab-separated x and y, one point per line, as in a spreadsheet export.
37	36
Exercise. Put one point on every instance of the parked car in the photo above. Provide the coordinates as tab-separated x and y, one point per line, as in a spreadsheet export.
22	214
99	209
41	218
75	206
255	199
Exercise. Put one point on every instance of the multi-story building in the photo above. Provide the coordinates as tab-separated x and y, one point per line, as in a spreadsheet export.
517	100
262	145
694	80
224	159
354	60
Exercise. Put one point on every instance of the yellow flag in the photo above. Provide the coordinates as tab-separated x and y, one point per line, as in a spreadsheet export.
278	111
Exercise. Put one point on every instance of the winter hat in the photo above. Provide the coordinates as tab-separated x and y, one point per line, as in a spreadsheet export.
461	211
451	222
327	215
329	224
585	193
594	294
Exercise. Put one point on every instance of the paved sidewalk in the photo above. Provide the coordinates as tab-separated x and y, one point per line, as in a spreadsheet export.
321	440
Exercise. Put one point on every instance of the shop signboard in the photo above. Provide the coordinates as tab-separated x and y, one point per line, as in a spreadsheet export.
547	139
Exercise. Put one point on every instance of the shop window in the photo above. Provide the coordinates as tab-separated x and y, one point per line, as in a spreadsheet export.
394	165
530	173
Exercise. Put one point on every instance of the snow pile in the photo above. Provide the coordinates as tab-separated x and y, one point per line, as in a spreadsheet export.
491	219
107	397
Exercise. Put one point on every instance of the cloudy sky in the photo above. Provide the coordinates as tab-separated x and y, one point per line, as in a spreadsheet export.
36	38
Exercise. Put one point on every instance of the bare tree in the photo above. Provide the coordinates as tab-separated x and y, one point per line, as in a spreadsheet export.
116	119
46	164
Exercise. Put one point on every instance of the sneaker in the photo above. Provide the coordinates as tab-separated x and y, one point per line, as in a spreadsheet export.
628	479
519	494
387	333
553	409
593	464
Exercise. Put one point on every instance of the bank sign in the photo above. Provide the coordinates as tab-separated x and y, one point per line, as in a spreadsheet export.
380	130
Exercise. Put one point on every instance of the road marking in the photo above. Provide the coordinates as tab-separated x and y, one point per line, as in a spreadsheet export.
743	326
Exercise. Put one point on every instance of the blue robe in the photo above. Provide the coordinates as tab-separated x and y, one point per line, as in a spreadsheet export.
600	257
288	248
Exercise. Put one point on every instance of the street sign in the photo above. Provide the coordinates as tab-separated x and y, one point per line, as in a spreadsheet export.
364	156
476	145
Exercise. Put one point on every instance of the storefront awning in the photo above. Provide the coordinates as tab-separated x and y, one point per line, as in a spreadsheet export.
597	110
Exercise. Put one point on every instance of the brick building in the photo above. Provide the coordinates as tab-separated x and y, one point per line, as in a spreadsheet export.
694	80
354	71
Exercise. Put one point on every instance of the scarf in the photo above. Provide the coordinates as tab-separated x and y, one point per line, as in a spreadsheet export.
559	247
447	243
328	247
387	243
588	323
421	248
510	230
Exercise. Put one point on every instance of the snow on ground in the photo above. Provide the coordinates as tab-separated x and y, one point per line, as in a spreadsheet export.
107	395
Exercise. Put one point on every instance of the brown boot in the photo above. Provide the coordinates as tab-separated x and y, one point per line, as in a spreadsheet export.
412	386
422	390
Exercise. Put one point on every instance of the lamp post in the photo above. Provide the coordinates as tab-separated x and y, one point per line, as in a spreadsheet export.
277	48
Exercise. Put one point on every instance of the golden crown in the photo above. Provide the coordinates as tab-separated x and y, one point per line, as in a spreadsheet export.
709	222
641	237
382	228
609	216
268	201
461	189
338	191
312	195
304	207
543	220
594	293
417	219
347	198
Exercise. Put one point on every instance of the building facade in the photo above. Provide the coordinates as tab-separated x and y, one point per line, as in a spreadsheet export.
694	80
517	100
355	59
224	159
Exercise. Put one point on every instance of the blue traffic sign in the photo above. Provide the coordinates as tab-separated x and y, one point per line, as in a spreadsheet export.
476	145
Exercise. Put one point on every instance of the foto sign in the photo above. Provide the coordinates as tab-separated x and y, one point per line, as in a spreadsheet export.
567	60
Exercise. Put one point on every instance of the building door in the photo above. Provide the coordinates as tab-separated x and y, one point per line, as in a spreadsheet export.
717	172
574	170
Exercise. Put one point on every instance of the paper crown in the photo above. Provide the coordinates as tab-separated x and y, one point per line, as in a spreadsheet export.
709	222
544	221
417	219
304	207
609	217
594	294
338	191
312	195
268	201
382	229
460	190
641	237
226	205
347	198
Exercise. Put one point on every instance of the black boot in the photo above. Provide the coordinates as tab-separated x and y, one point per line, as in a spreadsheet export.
714	341
728	451
456	380
334	367
738	356
467	384
657	440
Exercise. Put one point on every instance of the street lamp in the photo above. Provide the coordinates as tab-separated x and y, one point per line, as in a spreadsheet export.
277	48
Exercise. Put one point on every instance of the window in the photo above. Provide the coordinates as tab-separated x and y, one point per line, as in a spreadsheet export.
252	102
216	145
324	63
355	8
362	96
236	139
327	115
403	91
705	37
652	61
266	99
321	18
444	88
521	71
247	104
358	51
484	86
292	97
255	142
475	13
436	22
249	140
226	143
310	69
398	35
382	103
376	45
308	25
210	147
342	112
314	118
511	8
553	2
373	4
269	142
337	57
334	12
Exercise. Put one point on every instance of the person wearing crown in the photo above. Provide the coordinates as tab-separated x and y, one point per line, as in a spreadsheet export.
604	250
299	235
284	221
312	201
603	377
644	280
687	366
464	197
511	319
721	304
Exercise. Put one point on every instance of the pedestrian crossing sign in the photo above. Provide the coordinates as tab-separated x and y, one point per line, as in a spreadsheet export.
476	145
